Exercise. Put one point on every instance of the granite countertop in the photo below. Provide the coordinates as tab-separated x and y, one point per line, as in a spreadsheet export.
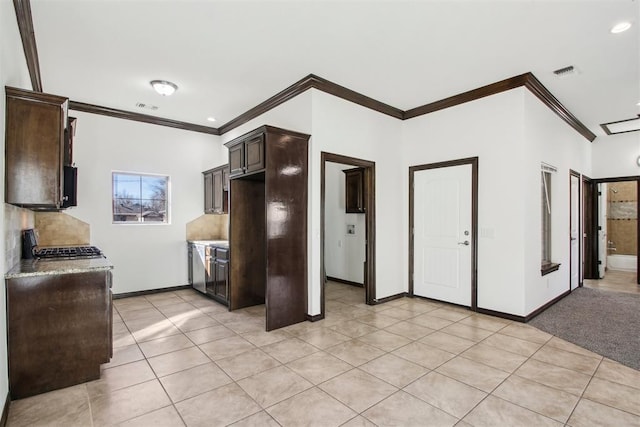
37	267
218	243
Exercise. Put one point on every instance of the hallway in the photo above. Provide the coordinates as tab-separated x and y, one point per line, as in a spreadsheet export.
617	281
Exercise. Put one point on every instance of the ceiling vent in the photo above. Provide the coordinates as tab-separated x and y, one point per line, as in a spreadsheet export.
146	106
566	71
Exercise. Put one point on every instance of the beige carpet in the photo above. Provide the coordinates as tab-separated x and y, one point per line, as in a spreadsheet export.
605	322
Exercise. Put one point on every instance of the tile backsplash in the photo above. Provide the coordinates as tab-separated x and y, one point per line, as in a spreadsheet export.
208	227
61	229
15	220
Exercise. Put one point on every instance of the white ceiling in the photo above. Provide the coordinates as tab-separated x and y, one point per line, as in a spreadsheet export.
228	56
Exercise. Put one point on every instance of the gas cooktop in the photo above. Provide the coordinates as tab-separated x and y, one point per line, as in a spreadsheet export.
69	252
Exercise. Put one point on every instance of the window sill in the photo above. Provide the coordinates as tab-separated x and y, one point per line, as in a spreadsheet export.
549	268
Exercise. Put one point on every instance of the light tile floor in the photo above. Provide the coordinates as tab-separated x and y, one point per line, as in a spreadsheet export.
182	359
617	281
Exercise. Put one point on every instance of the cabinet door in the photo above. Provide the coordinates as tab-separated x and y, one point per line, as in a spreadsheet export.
210	270
208	192
254	154
34	152
218	206
354	190
236	160
222	280
225	179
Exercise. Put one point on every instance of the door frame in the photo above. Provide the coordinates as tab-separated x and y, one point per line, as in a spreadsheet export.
473	161
589	216
596	223
370	221
574	174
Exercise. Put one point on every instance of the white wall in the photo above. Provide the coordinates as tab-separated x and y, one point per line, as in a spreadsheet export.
616	155
144	256
344	254
341	127
13	72
344	128
548	139
492	129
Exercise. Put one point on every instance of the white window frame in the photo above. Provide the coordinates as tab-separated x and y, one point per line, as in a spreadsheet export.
546	221
140	219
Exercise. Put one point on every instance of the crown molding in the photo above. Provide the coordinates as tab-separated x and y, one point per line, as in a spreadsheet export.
547	98
302	85
25	25
128	115
528	80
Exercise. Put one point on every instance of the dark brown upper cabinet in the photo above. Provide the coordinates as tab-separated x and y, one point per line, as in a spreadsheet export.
38	145
247	155
216	199
354	190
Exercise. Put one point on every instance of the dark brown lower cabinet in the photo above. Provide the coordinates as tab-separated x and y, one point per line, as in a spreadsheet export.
59	330
218	273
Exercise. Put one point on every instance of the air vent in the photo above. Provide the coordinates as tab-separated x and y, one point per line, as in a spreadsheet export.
146	106
566	71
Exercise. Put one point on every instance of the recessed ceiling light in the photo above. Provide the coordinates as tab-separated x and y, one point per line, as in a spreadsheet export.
620	27
164	87
211	119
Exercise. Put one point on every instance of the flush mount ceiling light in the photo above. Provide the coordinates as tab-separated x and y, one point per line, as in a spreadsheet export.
164	87
620	27
211	119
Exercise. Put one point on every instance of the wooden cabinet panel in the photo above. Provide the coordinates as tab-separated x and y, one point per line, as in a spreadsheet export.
225	178
208	192
217	192
254	154
34	149
236	160
354	190
58	329
247	156
222	280
216	200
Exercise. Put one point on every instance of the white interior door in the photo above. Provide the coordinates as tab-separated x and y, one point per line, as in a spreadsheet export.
442	234
574	245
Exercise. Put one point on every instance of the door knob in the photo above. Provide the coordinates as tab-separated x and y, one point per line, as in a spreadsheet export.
466	243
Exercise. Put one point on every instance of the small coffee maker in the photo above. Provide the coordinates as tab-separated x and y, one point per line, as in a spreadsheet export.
29	243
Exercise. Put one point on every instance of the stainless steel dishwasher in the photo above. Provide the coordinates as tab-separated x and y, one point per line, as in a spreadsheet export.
198	267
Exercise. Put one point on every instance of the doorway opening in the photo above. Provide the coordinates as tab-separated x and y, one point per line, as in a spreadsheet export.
347	229
616	254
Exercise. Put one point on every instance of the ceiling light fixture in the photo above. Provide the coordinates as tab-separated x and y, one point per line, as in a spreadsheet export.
164	87
211	119
620	27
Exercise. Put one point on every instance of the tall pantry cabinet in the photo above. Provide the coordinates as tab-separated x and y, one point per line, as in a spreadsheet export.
268	223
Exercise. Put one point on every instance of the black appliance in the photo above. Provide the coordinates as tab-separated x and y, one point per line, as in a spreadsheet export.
70	187
31	250
29	243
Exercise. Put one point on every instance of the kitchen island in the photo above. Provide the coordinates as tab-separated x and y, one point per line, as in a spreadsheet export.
59	323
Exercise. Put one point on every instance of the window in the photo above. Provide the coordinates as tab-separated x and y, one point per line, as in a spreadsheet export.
140	198
547	266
